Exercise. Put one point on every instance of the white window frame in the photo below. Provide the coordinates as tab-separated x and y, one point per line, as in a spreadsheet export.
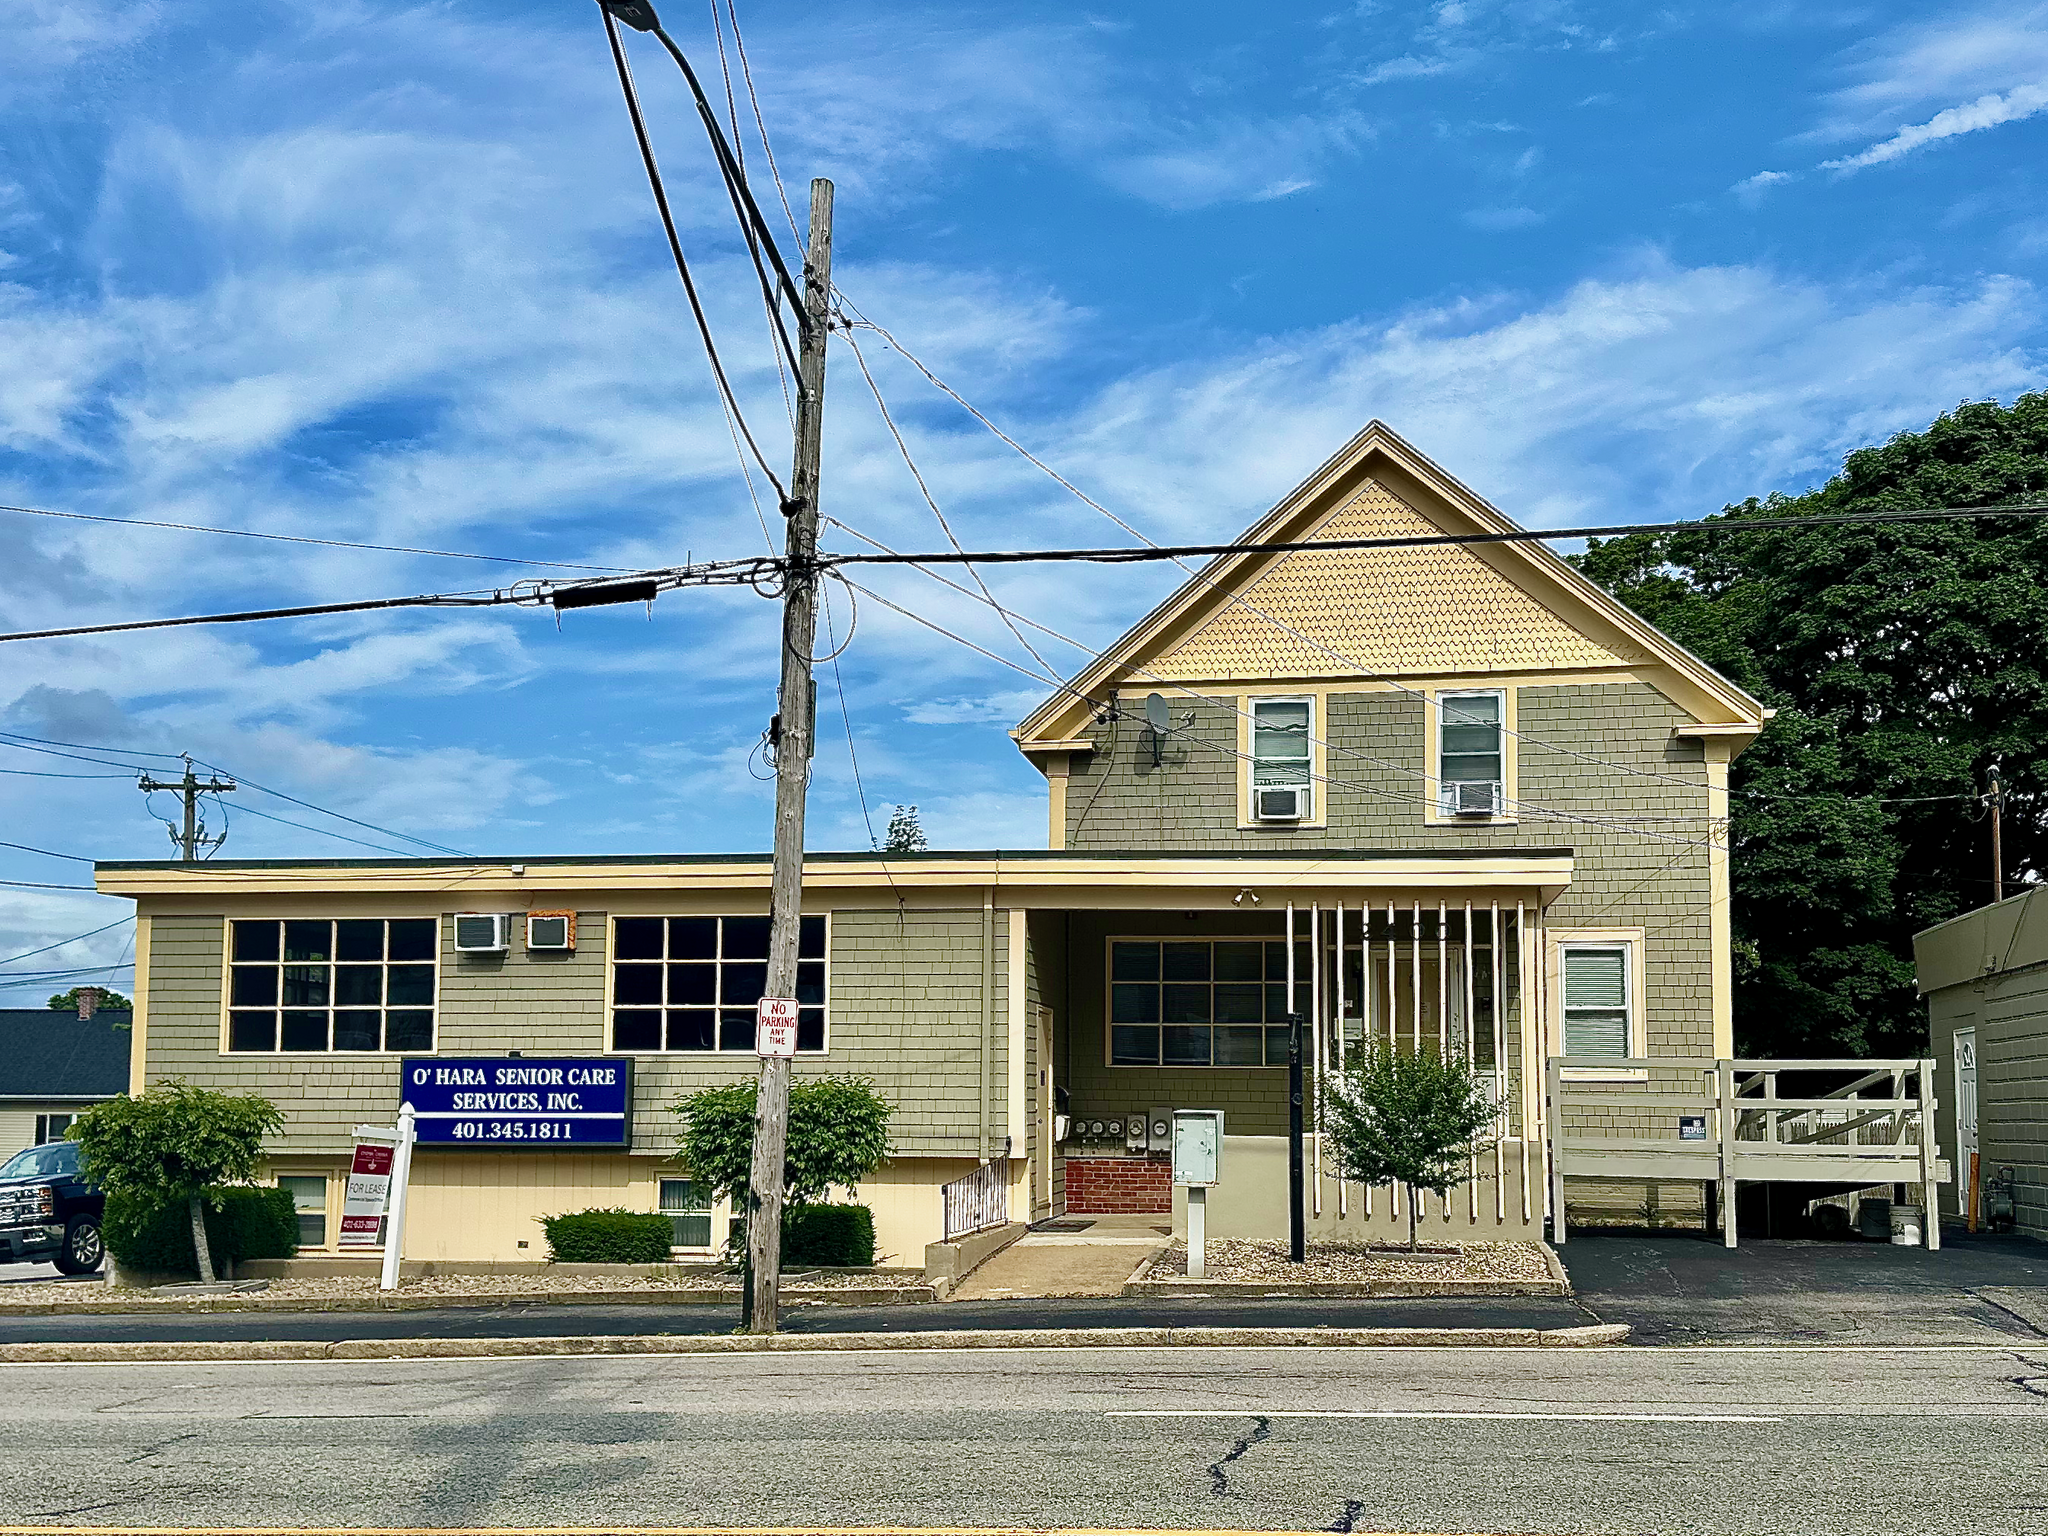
1630	942
1310	782
1439	784
326	1211
47	1133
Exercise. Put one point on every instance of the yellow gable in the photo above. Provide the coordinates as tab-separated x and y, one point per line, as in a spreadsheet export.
1438	610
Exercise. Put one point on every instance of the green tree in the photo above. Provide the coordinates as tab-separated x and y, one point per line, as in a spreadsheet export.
67	1002
1396	1117
906	832
838	1135
1903	661
172	1144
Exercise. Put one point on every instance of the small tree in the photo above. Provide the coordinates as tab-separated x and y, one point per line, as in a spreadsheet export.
170	1145
838	1135
1406	1118
906	833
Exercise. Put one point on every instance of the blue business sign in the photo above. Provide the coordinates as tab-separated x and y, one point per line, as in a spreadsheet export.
530	1102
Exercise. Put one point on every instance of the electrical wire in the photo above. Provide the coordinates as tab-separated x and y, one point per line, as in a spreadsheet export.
846	716
30	773
760	123
675	245
29	954
367	826
739	149
293	538
76	858
250	810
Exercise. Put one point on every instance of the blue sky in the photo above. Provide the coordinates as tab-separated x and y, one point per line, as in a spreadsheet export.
390	273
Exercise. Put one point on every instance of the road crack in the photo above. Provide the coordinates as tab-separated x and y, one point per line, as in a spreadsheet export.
2033	1386
1344	1522
159	1448
1219	1480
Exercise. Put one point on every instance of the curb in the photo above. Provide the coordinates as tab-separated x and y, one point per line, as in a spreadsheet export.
1381	1288
804	1343
721	1296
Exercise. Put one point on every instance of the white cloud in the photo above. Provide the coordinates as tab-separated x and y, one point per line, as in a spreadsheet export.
1751	189
1972	117
989	709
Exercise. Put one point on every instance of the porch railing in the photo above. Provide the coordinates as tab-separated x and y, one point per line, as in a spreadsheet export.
977	1201
1735	1126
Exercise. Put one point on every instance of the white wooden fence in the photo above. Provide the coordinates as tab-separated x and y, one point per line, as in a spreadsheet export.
1742	1129
977	1200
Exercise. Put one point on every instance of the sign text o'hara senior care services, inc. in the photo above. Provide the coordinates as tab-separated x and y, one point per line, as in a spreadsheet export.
532	1103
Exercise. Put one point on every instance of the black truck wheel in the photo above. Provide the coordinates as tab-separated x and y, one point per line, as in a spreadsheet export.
82	1250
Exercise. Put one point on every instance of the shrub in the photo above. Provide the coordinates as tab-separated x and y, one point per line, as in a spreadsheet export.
838	1135
828	1234
242	1222
1397	1117
613	1235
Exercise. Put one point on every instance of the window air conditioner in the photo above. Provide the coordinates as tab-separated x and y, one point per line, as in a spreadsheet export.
551	931
1473	797
482	933
1280	803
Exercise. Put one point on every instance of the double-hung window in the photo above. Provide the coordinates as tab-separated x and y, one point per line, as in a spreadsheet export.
1283	763
688	1209
693	983
1471	754
1597	999
52	1127
309	1200
360	984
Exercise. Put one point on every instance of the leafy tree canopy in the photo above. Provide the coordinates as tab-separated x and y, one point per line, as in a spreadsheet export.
109	998
838	1135
1904	660
173	1141
1398	1117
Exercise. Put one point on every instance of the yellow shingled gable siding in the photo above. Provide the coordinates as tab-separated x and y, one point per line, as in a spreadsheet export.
1432	611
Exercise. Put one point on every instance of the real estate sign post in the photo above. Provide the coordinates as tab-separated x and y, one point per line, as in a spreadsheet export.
369	1187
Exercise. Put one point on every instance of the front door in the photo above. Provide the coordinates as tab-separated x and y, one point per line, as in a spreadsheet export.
1041	1174
1966	1115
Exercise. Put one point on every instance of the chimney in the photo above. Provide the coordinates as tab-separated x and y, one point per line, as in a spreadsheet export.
88	1001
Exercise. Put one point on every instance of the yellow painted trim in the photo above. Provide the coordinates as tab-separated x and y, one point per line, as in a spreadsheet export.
1720	912
1057	769
1510	757
227	976
1555	940
1016	1125
1108	979
138	1023
1318	763
611	944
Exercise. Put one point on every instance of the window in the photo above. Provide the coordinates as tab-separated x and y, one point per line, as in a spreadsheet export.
52	1127
691	983
309	1199
1201	1003
1596	999
1470	751
1282	748
689	1211
360	984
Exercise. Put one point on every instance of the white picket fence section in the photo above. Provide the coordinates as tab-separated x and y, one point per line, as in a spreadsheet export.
978	1200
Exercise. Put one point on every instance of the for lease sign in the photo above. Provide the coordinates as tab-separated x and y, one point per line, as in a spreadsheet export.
533	1103
369	1189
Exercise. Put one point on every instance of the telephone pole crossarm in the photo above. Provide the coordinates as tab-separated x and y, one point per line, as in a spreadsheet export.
190	836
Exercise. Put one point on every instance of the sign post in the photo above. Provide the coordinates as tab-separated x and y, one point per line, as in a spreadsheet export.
369	1187
775	1027
401	1172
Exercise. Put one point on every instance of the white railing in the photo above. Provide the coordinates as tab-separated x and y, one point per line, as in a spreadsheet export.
978	1200
1736	1127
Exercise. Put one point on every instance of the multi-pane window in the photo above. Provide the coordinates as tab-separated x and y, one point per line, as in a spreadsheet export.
309	1199
688	1209
1596	999
692	983
1470	750
1282	745
52	1127
314	984
1201	1002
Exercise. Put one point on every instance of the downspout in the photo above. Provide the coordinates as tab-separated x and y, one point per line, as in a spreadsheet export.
988	1002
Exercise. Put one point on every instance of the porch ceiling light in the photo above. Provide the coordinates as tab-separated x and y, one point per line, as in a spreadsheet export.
1245	898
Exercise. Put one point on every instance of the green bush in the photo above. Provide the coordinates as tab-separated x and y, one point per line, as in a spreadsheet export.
829	1235
242	1222
610	1236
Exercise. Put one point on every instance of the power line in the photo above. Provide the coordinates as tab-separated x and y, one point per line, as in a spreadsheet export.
29	954
76	858
675	245
293	538
250	810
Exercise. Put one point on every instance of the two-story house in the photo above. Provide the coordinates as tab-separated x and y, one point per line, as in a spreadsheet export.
1441	794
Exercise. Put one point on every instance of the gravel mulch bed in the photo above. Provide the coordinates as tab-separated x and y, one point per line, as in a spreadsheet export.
1230	1258
87	1295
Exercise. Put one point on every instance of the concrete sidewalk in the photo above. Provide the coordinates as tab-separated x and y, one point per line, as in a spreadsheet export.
1098	1260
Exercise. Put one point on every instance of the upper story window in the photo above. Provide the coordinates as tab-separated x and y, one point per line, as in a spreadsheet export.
691	983
1471	754
1200	1002
316	984
1283	768
1597	989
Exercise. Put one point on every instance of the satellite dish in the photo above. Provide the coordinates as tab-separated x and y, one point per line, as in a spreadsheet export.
1156	714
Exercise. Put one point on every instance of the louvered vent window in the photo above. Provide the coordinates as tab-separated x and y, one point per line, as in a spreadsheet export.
1596	1000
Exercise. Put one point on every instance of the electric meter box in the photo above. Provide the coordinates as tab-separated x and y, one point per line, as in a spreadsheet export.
1197	1147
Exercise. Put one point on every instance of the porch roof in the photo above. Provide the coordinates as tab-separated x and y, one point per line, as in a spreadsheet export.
1032	877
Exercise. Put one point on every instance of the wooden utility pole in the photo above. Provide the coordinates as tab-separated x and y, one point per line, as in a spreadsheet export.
792	740
1995	798
192	837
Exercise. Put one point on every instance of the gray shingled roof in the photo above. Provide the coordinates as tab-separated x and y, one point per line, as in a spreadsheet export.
46	1053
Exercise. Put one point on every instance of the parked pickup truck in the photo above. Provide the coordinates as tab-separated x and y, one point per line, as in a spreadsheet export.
48	1212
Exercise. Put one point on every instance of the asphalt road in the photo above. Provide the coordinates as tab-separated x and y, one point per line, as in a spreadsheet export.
1676	1439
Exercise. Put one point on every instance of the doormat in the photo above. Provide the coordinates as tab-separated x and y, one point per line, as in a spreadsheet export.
1063	1226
